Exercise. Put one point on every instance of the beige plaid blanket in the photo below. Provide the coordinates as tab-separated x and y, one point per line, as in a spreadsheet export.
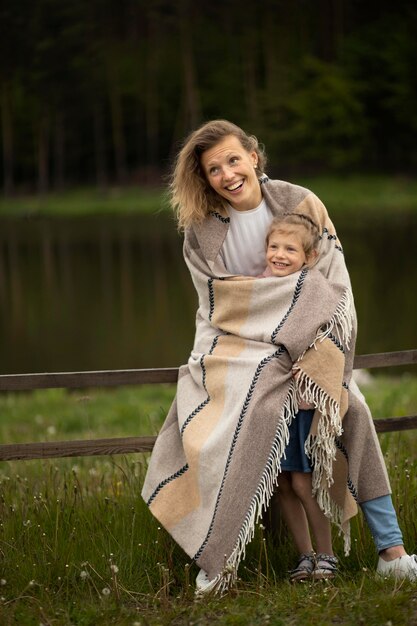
216	461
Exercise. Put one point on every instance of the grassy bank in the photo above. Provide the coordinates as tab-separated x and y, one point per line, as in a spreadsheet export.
78	545
353	194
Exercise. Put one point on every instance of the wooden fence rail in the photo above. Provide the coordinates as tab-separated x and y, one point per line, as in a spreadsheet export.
113	378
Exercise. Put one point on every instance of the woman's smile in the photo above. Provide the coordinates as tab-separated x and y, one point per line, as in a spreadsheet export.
230	171
235	187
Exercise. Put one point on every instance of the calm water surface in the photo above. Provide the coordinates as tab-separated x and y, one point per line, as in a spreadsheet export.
114	293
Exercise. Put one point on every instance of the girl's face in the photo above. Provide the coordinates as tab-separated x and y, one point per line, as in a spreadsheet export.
285	253
230	171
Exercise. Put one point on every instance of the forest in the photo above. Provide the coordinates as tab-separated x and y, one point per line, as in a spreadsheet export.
102	92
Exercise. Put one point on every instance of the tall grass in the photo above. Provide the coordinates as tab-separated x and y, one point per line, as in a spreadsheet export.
78	545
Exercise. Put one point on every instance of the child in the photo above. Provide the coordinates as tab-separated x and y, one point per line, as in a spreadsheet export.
291	243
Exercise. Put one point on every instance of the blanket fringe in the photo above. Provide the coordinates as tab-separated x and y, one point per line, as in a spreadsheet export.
341	323
262	496
321	449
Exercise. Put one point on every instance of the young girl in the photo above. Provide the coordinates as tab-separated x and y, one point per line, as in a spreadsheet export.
291	243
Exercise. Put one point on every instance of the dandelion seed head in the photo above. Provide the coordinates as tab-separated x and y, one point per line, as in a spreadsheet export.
105	591
114	568
51	430
83	574
32	583
3	582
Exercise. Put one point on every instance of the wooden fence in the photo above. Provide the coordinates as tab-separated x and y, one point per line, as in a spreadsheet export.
114	378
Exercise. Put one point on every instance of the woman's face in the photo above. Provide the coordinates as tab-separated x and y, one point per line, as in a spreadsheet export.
230	171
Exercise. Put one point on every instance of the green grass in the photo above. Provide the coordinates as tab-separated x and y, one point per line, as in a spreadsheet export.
373	195
87	201
352	194
65	522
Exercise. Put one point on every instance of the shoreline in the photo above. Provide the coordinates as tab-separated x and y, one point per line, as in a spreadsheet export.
351	195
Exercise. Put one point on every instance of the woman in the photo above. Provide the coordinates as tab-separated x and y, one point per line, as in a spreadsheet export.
217	458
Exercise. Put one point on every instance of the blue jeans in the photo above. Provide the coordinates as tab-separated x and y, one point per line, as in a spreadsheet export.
382	520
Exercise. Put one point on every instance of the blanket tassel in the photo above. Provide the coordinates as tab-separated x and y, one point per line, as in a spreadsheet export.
262	496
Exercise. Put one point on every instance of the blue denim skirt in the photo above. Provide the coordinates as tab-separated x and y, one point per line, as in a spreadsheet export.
295	459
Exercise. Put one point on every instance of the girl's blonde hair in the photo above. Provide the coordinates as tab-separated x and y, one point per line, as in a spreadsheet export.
190	195
299	224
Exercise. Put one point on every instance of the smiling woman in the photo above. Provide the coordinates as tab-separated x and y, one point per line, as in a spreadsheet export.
231	172
192	196
261	348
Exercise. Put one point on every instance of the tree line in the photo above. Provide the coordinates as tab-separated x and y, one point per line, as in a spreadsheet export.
104	91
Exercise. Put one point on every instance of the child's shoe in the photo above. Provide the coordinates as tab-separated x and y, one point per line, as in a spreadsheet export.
401	567
326	567
304	568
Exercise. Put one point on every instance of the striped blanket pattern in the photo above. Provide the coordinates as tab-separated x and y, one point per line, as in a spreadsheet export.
216	461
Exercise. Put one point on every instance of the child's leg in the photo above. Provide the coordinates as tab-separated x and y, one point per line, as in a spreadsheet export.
319	523
294	514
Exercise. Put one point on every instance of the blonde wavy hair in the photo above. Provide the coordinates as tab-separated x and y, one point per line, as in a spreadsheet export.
300	224
190	195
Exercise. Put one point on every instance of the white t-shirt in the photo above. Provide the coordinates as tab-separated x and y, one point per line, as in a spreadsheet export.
243	250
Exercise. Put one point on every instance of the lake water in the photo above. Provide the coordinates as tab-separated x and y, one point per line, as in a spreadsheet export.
114	292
